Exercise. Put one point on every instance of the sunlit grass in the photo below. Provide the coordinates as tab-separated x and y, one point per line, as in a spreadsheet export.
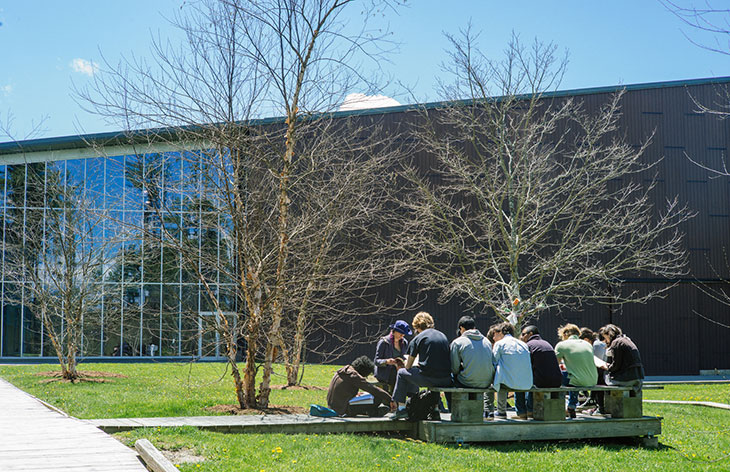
693	439
164	389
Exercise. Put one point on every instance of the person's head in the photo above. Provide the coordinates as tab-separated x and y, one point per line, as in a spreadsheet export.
528	332
363	365
491	333
504	329
466	323
609	332
422	321
399	329
568	330
587	335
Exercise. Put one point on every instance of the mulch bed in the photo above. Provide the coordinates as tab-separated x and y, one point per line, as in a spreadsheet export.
296	387
84	376
271	410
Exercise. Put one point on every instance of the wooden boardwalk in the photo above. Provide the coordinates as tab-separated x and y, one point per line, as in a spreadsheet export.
36	438
289	424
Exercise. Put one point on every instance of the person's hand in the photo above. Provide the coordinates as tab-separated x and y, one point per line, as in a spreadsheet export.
393	405
391	361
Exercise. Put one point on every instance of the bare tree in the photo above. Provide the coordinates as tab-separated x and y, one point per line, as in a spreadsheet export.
57	252
523	202
265	192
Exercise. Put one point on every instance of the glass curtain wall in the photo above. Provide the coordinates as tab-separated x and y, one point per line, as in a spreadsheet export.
151	301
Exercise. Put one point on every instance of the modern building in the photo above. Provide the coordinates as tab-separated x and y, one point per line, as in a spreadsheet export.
146	294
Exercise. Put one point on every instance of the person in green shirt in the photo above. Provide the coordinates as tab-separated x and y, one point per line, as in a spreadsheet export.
577	356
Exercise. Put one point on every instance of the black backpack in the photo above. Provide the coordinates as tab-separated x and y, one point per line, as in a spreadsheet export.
423	405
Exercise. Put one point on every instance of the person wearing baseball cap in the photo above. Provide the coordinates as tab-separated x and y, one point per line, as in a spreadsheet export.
390	353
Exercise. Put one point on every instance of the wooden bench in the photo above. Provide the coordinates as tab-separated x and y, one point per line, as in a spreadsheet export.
548	404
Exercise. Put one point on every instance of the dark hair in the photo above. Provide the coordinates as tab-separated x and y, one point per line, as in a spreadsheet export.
363	365
587	333
531	330
467	322
506	328
490	333
611	331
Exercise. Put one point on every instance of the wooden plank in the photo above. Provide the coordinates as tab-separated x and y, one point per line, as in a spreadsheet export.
447	432
153	458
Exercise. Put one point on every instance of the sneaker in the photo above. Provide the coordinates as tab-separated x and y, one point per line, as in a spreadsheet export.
490	416
570	413
530	415
381	411
500	415
522	416
400	414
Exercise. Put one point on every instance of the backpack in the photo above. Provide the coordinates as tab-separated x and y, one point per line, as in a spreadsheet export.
321	411
423	406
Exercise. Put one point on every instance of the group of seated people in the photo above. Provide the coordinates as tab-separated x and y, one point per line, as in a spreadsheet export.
498	360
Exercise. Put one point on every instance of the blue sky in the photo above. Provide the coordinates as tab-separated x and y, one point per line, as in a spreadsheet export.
46	45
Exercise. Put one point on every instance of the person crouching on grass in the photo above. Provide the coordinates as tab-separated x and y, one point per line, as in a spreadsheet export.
344	387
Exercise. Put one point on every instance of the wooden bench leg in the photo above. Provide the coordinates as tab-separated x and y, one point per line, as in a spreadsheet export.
467	407
548	406
624	404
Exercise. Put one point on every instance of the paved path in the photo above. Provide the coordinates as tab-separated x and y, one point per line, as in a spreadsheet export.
36	438
723	406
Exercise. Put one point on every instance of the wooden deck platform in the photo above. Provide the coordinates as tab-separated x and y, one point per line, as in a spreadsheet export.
36	438
584	427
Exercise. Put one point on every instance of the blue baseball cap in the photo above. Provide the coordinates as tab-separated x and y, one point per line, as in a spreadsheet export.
402	327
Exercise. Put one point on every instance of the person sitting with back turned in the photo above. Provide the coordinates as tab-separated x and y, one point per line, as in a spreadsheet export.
624	365
434	363
545	369
344	387
580	368
595	401
390	353
471	358
513	365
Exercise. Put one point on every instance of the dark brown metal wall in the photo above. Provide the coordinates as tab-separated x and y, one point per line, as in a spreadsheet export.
673	334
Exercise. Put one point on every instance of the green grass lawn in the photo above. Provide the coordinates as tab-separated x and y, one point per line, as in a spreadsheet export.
163	389
693	438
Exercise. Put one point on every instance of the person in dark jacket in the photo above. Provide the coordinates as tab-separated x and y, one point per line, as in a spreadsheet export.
545	369
434	362
623	366
390	353
348	381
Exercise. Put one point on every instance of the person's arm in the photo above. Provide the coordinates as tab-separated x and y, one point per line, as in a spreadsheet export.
412	353
455	359
377	392
380	354
496	353
617	361
557	353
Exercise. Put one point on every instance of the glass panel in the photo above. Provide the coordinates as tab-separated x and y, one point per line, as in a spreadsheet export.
31	334
189	316
95	190
170	310
11	330
114	193
92	326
